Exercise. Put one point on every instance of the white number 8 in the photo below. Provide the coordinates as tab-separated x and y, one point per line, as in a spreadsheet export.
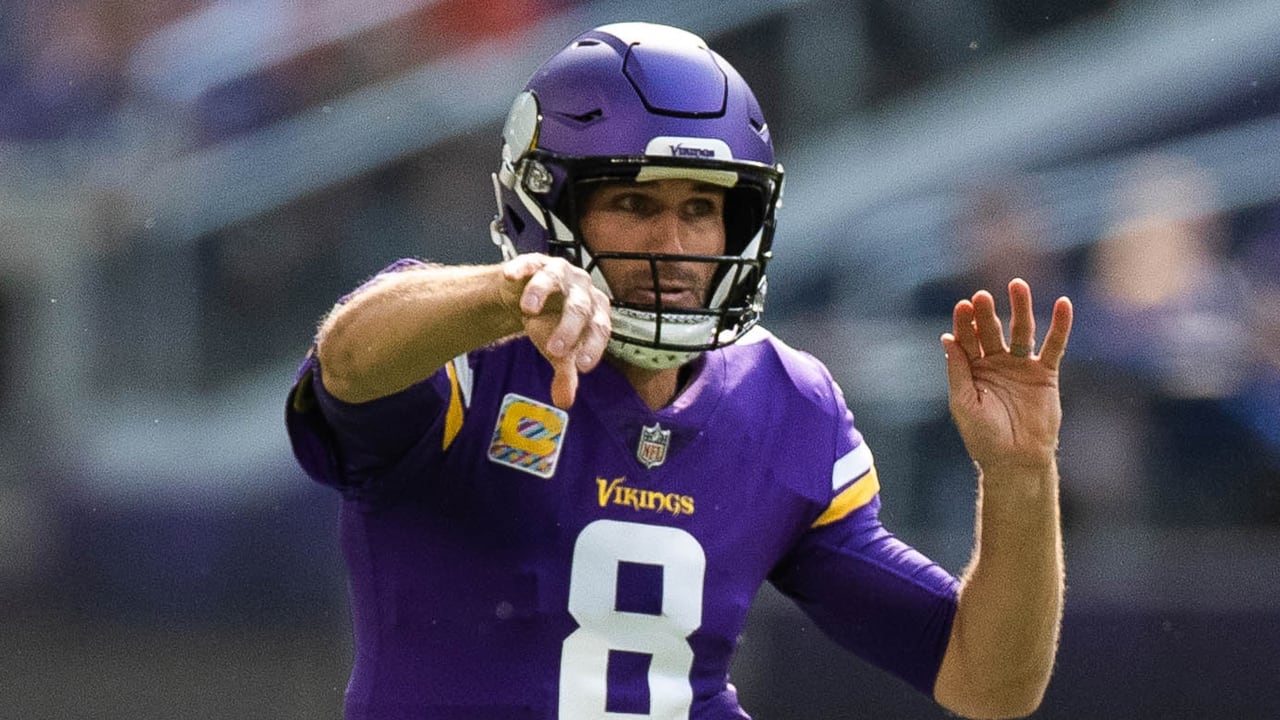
593	583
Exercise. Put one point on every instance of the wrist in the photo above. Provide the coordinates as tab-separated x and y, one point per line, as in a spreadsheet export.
1017	487
1018	468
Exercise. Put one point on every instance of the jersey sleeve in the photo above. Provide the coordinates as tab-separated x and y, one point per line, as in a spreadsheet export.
868	590
376	449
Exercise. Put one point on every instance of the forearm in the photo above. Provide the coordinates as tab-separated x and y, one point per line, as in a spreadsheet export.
408	324
1005	634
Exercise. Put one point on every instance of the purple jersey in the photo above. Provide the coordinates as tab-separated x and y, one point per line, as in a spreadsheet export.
512	560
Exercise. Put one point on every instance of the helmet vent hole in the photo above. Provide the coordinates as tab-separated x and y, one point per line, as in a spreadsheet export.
586	117
586	43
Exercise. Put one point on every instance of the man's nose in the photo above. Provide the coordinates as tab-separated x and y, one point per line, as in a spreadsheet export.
667	233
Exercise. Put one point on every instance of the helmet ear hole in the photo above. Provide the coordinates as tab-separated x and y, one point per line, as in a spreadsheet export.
517	223
743	216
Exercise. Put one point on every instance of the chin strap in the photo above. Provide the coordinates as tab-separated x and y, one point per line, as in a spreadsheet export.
647	357
635	332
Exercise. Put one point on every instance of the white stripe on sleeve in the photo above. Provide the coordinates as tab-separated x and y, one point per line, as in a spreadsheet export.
852	466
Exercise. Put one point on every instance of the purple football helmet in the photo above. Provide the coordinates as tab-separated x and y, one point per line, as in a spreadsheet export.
635	101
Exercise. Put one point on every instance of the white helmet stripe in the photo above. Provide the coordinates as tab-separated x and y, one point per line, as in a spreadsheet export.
727	282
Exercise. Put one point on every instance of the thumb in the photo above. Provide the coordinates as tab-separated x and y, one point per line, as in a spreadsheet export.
564	385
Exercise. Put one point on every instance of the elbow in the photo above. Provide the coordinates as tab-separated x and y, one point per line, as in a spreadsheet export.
337	357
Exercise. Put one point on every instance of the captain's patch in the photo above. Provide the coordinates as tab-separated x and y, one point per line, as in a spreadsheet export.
528	435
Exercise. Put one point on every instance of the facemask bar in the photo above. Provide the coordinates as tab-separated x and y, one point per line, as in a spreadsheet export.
735	319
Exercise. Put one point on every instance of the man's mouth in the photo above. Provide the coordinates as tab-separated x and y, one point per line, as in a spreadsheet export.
667	296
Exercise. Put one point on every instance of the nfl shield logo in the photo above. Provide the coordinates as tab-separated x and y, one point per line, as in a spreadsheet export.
653	445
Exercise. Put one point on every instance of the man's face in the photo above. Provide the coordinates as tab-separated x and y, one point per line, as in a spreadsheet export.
678	217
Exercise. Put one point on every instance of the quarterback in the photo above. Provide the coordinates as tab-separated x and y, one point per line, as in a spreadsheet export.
566	475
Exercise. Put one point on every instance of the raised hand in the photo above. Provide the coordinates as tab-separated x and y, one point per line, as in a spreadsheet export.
565	316
1004	397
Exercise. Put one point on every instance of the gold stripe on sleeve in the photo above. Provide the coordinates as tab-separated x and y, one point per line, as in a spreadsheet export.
453	415
851	498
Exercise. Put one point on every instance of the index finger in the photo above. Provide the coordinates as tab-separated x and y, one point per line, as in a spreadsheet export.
564	384
540	285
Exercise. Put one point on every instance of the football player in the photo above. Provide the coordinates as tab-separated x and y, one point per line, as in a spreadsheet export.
566	475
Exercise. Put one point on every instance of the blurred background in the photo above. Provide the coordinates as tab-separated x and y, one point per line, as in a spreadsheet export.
187	185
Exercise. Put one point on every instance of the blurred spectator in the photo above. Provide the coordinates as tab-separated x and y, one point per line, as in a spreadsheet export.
1163	332
1256	403
999	234
63	78
464	22
1173	301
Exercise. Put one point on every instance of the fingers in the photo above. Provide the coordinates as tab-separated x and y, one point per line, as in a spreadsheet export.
543	278
522	266
575	314
963	330
977	330
565	316
1055	341
599	326
564	384
1022	322
959	373
987	324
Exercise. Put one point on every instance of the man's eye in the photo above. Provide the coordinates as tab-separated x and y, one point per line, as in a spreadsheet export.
700	207
633	202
